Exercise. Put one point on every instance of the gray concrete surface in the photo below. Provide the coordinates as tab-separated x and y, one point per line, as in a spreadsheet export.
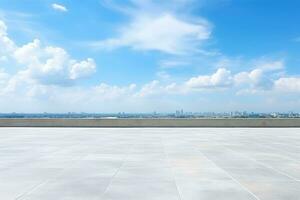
202	122
149	164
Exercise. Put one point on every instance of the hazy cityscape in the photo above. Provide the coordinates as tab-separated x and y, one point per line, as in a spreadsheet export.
177	114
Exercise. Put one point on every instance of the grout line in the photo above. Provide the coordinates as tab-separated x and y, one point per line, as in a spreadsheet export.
42	183
263	164
115	174
168	160
285	156
235	180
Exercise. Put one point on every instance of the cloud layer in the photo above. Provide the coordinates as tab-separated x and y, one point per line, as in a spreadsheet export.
45	77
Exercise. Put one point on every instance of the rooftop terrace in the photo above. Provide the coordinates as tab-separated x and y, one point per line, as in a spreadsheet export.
150	163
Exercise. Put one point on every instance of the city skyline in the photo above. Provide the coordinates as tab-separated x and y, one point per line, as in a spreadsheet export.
145	55
158	115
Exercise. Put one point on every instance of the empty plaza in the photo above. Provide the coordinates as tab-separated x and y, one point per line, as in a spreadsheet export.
150	163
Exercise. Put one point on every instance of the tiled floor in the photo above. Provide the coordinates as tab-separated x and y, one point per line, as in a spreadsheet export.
149	164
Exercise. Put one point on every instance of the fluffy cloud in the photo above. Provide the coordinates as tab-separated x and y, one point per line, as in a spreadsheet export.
163	32
45	65
220	79
253	76
59	7
259	79
6	44
261	76
29	53
82	69
288	84
52	65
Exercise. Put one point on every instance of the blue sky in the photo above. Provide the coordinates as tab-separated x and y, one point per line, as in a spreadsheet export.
149	55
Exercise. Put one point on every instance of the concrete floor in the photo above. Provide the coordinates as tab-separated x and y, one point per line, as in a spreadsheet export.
144	164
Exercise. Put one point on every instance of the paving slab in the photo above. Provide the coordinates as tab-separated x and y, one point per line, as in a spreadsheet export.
149	163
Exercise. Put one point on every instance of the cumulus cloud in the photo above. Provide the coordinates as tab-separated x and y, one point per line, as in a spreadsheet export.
288	84
220	79
47	65
52	65
262	77
82	69
59	7
6	44
258	79
248	77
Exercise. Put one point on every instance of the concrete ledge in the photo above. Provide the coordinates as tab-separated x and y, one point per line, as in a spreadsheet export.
149	122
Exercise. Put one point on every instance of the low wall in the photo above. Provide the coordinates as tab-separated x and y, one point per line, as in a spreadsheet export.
149	122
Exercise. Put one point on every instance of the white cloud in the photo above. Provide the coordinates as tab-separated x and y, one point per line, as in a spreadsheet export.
253	82
46	65
253	77
3	28
3	79
59	7
163	26
288	84
269	65
29	53
150	89
261	78
6	44
165	33
52	65
82	69
18	85
220	79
